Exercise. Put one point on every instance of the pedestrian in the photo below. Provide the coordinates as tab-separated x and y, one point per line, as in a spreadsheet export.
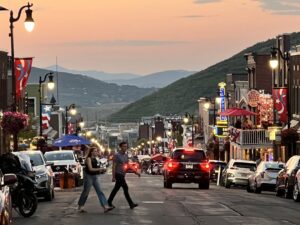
118	175
92	178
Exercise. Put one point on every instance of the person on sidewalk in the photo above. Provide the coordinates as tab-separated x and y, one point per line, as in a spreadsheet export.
92	178
118	175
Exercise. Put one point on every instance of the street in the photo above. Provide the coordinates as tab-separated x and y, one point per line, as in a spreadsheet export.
184	204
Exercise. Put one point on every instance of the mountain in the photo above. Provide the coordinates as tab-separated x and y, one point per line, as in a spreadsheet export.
89	92
95	74
157	80
182	95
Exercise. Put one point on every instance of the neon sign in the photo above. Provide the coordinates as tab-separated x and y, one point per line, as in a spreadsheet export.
222	100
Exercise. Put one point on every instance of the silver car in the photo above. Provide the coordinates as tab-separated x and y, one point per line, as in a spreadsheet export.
237	172
264	178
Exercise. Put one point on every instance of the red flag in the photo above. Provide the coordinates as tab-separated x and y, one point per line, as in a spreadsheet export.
280	103
22	72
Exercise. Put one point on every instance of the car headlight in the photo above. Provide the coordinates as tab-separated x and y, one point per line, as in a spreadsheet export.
230	175
42	175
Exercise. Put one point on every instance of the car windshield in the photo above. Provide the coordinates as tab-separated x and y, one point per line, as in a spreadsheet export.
36	159
189	156
244	165
59	156
273	166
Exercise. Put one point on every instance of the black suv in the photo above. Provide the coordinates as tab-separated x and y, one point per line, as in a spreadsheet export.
187	166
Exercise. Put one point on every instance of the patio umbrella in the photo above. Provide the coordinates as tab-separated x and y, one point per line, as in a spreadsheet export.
157	157
237	112
70	140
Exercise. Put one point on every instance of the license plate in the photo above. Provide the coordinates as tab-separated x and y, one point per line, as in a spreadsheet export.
189	166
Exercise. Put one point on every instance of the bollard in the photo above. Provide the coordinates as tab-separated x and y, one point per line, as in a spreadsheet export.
219	176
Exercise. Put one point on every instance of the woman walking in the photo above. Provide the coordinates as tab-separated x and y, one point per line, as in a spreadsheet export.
92	178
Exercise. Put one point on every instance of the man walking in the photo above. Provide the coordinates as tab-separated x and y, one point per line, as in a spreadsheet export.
118	175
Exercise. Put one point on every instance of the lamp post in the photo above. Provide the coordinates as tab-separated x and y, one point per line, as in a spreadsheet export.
274	65
72	109
186	119
50	86
29	25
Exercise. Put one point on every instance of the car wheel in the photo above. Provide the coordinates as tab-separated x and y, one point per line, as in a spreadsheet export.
49	196
204	184
227	183
257	190
296	192
288	193
168	184
249	188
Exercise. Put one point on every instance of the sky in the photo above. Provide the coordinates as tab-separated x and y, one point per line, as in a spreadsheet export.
144	36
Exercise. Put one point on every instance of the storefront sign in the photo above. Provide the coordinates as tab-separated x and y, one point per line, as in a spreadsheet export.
222	100
253	98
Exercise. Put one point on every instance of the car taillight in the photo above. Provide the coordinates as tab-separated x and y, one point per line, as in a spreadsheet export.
136	167
125	166
172	165
205	166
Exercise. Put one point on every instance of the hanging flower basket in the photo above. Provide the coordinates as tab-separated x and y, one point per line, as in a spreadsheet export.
289	136
13	122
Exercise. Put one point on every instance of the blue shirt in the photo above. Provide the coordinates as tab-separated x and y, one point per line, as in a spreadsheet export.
120	160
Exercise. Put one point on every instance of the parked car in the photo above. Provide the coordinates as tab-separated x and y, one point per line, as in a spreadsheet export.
44	175
5	198
287	179
237	172
215	165
187	165
131	167
65	160
296	190
264	178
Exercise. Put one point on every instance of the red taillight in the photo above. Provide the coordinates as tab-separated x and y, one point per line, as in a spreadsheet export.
136	167
125	166
172	165
205	166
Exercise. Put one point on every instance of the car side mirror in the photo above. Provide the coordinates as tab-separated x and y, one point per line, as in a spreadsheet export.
49	163
10	179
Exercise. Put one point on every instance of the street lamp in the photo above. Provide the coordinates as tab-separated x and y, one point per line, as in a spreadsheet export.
72	109
50	86
29	25
274	65
186	119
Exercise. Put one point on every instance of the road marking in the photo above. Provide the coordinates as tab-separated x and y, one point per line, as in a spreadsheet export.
153	202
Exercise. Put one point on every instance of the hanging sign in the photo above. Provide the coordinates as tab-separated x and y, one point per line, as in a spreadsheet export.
253	98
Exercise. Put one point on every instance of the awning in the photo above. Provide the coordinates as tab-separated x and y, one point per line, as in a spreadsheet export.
293	124
237	112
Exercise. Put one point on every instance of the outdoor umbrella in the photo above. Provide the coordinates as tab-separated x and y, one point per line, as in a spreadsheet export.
70	140
157	157
237	112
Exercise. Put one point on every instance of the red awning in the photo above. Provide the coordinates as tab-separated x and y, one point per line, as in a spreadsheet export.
237	112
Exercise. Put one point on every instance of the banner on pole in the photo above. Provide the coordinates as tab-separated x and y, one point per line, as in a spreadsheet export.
22	72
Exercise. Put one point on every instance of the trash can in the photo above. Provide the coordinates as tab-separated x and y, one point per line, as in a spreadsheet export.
67	180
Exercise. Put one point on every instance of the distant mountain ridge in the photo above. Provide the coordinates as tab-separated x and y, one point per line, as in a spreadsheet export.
158	80
182	95
100	75
89	92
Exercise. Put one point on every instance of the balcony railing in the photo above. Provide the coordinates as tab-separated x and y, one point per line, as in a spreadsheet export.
249	137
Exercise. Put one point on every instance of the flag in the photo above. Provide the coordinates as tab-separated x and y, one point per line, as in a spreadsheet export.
22	72
46	112
70	128
280	103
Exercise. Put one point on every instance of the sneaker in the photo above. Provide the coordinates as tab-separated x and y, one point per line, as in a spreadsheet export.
111	205
133	206
108	209
80	209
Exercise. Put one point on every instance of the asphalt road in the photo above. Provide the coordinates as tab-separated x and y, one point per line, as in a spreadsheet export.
184	204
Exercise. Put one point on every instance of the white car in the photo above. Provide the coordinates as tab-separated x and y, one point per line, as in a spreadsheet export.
264	178
237	172
65	160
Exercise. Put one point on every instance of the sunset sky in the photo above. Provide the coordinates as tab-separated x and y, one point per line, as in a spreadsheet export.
145	36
